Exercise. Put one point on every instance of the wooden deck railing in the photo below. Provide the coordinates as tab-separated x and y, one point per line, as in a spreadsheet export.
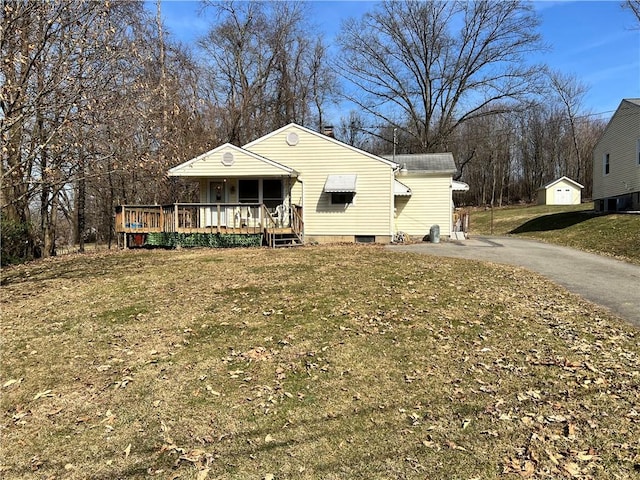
242	218
192	218
297	225
270	226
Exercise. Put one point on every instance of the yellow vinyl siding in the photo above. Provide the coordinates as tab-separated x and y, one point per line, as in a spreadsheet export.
428	205
244	165
314	157
620	141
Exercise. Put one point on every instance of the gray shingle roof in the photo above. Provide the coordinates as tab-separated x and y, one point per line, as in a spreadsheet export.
635	101
425	162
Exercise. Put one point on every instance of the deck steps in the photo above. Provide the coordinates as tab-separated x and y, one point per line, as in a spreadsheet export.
286	240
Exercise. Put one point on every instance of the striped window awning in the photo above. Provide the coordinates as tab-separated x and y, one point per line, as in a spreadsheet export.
400	189
459	186
343	183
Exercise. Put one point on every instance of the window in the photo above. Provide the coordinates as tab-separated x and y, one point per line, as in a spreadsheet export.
638	151
248	191
342	198
267	191
272	193
605	163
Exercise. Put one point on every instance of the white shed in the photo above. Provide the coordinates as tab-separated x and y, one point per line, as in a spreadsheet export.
562	191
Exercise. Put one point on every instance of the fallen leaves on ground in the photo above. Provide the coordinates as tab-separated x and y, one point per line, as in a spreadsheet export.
259	363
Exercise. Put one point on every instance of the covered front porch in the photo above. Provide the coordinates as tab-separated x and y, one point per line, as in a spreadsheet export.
134	223
240	194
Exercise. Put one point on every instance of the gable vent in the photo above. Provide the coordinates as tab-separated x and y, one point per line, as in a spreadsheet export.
292	139
227	159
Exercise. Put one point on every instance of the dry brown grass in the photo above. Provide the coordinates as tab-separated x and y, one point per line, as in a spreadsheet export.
324	362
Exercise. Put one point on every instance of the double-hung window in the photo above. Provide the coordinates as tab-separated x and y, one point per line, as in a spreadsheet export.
248	191
267	191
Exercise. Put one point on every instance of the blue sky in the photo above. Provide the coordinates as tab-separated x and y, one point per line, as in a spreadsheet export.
593	40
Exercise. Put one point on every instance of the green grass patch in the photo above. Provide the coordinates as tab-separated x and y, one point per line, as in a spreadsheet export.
576	226
124	314
323	362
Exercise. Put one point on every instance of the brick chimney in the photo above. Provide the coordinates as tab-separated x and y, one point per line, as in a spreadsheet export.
328	131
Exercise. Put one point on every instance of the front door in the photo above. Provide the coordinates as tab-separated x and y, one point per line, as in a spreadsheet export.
217	194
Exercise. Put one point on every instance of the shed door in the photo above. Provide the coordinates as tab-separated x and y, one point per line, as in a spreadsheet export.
562	196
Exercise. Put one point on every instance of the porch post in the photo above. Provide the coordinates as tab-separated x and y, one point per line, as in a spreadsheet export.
218	222
175	218
123	217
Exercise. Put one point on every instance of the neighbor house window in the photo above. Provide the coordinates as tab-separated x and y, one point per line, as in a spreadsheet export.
342	198
605	163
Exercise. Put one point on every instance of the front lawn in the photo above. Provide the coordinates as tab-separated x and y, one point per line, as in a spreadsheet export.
316	362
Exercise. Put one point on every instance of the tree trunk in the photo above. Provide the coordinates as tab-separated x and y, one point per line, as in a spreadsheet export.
82	192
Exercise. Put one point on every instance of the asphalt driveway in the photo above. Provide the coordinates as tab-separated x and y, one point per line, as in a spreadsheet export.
605	281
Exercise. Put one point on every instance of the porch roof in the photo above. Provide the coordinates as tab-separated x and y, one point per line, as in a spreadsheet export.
230	161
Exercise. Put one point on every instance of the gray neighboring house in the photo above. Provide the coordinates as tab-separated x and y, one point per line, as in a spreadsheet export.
616	161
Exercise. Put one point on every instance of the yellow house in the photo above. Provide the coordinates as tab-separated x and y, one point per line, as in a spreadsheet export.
296	185
343	193
429	180
562	191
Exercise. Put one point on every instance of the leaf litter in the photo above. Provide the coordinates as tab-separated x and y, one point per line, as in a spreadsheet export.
259	363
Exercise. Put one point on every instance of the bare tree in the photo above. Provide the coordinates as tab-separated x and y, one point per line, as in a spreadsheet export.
569	91
323	82
427	67
95	104
263	69
352	131
544	144
50	51
488	143
634	6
